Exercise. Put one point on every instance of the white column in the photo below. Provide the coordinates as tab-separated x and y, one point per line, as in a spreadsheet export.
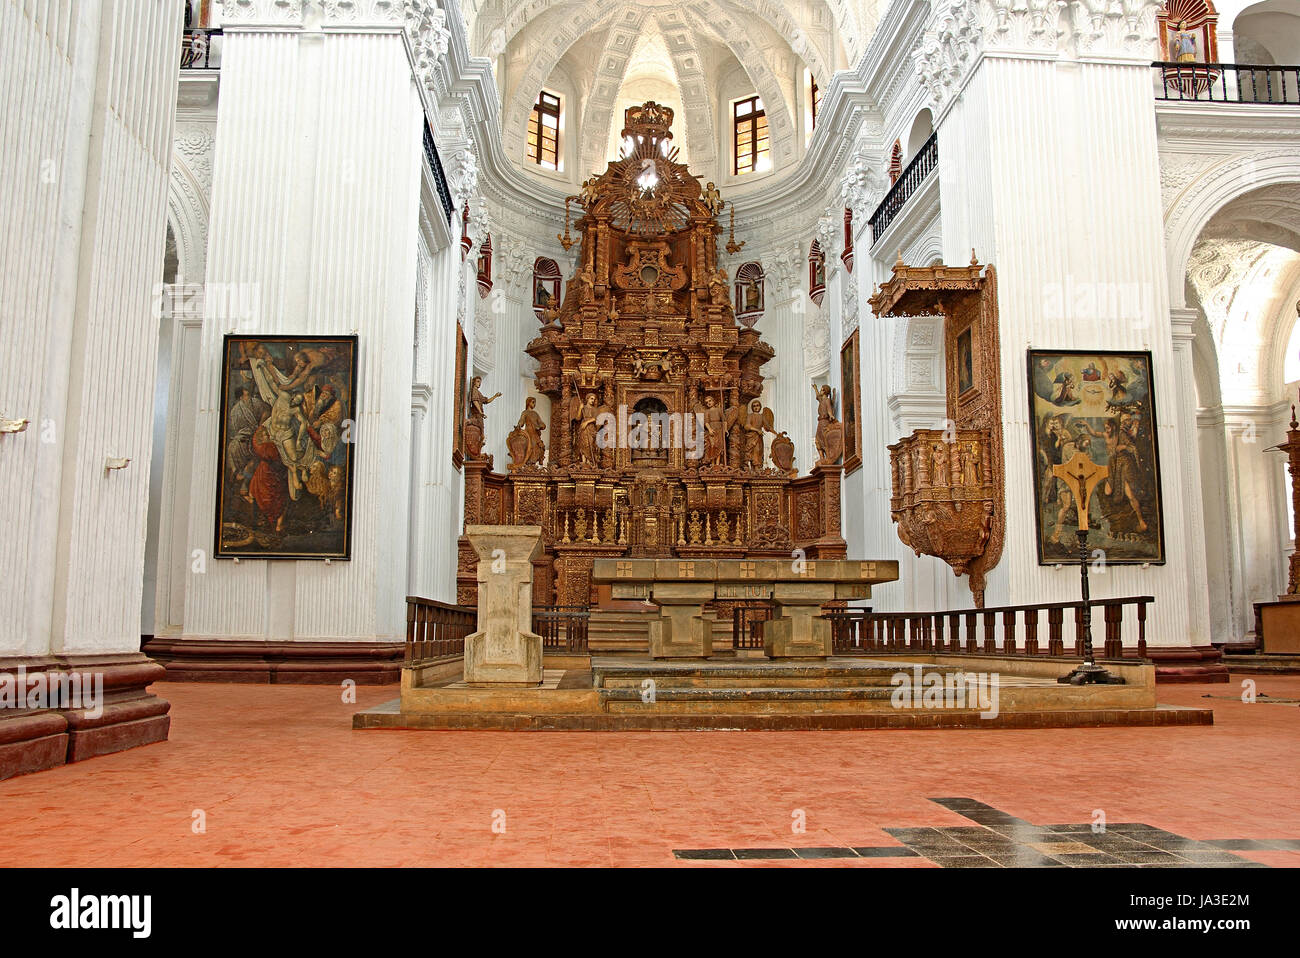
87	92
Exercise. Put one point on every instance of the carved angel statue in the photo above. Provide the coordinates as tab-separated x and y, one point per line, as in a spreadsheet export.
719	294
753	425
713	201
587	194
830	431
583	415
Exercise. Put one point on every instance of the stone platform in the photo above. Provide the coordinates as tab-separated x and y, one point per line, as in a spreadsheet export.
640	693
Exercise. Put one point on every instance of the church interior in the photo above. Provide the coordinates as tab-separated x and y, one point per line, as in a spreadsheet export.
651	424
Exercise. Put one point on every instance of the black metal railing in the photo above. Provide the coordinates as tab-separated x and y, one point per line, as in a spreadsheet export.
197	48
563	628
439	176
909	181
1228	82
435	630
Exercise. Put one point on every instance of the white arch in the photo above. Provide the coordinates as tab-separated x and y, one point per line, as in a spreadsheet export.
1210	192
187	214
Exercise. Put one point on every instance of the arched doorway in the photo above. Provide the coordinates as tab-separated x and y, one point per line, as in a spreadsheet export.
1243	281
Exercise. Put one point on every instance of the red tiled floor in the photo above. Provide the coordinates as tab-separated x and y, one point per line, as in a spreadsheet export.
284	780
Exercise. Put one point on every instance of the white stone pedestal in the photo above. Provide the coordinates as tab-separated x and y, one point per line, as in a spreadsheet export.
504	651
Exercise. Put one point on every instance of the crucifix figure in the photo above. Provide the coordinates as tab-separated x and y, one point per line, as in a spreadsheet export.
1081	476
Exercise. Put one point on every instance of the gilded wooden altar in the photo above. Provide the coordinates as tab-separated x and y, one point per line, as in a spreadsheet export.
646	327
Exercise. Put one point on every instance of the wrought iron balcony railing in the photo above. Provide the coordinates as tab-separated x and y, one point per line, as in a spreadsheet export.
199	47
1228	82
439	176
926	159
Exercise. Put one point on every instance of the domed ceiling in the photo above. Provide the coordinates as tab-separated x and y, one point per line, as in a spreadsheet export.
697	57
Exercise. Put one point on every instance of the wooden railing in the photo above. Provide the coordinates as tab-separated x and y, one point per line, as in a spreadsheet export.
563	628
747	618
926	159
1209	82
1004	630
435	630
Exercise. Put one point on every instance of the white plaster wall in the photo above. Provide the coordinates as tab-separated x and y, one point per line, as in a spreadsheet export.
88	90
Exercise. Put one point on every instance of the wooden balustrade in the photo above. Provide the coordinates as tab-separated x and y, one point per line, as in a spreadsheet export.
747	618
435	630
1006	630
563	628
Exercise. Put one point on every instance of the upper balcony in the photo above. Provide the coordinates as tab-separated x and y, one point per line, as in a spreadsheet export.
908	182
201	48
1264	84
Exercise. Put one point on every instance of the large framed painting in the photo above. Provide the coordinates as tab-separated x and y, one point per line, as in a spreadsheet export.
851	401
1101	403
288	447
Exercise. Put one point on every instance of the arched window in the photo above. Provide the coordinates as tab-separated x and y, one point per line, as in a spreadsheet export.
816	272
546	284
749	293
485	267
544	131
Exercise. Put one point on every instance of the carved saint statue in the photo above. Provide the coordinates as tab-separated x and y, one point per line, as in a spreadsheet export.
583	414
830	431
715	433
939	464
754	424
474	421
970	464
525	440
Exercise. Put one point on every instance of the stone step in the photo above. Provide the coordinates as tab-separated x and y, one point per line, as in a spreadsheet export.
756	700
619	632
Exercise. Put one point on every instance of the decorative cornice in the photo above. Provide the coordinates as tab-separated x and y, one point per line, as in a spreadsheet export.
312	14
961	33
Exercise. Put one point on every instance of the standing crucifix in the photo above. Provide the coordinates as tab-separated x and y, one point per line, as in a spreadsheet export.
1081	476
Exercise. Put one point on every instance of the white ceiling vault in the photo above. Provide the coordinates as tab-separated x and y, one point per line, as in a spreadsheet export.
692	55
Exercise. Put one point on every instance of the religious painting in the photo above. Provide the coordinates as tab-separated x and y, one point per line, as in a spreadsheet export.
965	361
849	390
287	447
1103	404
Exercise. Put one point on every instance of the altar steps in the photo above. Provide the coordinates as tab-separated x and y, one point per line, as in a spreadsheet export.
619	633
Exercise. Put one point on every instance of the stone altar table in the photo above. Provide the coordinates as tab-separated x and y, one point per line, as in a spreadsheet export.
798	590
